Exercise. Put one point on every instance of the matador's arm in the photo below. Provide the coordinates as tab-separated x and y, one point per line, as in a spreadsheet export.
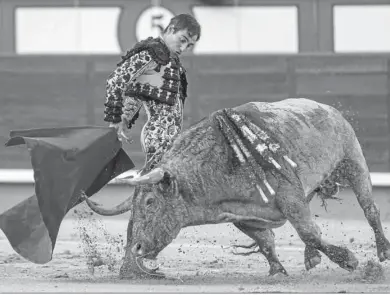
116	107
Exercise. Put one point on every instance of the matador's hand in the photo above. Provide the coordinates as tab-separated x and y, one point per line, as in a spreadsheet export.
122	131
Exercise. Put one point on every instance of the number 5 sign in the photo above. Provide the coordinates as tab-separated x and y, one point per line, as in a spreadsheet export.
152	21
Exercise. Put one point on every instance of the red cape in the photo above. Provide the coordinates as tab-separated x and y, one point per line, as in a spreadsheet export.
65	162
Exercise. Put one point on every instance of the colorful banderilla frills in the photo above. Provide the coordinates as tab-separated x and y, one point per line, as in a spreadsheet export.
229	122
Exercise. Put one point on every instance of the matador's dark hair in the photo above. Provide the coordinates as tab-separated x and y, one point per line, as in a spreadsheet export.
185	21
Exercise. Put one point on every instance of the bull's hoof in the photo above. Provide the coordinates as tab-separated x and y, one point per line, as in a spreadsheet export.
312	258
313	262
383	250
350	265
384	255
343	257
277	269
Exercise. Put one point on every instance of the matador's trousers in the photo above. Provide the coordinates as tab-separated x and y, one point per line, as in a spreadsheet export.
163	125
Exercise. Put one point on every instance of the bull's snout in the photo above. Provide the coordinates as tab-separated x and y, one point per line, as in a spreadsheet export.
138	249
143	249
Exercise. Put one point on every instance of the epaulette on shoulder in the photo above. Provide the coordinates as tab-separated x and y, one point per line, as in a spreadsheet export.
184	84
156	48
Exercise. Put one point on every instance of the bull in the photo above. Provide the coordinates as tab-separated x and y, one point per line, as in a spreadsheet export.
203	179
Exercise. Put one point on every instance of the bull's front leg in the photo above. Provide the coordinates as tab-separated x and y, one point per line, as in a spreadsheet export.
312	257
265	239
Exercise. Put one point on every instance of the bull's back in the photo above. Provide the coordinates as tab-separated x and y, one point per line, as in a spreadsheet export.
316	135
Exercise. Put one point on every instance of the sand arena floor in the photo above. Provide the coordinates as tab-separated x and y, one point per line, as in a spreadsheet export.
200	259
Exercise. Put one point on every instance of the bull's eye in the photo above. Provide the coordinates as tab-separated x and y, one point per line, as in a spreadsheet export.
149	201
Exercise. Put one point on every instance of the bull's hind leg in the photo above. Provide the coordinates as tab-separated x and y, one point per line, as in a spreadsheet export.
265	239
357	173
292	203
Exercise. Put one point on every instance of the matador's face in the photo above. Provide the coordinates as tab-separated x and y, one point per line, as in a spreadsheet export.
179	41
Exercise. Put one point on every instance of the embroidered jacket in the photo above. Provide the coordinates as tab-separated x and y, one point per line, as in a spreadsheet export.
147	71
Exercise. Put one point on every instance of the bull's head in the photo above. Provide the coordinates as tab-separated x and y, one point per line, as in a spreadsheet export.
157	216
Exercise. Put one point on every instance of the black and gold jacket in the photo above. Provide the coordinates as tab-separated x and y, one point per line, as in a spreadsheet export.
147	71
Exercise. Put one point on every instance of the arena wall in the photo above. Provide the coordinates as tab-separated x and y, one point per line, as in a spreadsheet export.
54	91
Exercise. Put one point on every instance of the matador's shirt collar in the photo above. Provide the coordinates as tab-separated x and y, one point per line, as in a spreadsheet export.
157	49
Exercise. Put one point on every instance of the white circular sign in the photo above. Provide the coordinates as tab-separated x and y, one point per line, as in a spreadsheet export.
152	22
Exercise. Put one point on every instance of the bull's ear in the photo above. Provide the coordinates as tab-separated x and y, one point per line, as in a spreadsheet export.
168	185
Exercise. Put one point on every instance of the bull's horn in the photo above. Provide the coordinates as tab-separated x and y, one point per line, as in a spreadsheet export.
152	177
119	209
